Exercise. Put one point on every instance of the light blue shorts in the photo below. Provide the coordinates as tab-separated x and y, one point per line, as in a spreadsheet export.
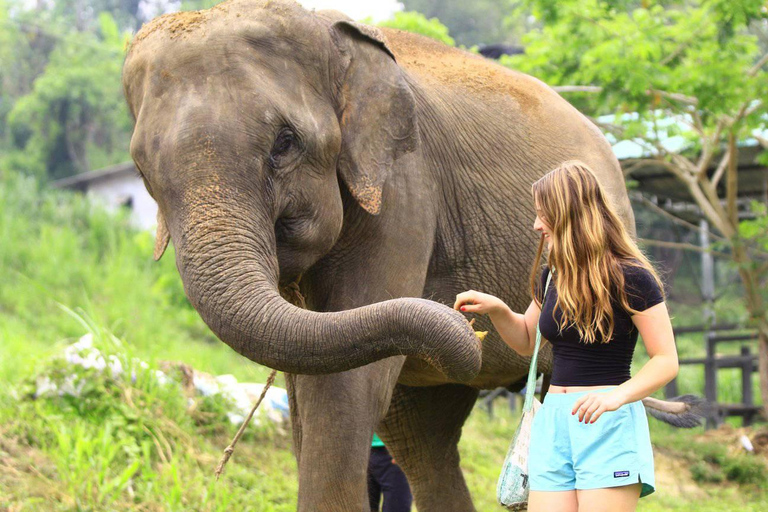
567	454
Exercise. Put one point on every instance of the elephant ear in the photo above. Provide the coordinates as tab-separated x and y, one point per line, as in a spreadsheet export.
376	108
162	237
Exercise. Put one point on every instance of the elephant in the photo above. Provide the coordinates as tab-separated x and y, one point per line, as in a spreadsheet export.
379	173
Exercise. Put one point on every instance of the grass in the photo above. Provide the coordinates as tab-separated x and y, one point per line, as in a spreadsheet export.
69	268
128	442
59	249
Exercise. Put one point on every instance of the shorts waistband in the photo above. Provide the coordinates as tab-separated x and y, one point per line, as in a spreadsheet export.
567	399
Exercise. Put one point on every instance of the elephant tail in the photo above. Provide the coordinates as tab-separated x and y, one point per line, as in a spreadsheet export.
685	411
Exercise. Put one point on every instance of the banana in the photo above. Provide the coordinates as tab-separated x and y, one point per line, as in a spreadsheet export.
480	334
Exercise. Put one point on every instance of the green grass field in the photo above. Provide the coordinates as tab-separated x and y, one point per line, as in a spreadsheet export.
68	268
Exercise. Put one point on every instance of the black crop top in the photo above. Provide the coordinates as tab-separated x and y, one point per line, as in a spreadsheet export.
596	364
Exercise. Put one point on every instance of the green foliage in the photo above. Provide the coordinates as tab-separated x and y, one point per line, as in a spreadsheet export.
125	444
81	16
677	78
745	470
18	64
711	463
707	473
198	5
418	23
108	384
127	439
475	22
753	238
60	249
8	37
640	54
75	103
756	229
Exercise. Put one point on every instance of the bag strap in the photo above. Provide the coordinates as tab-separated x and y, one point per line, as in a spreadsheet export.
530	387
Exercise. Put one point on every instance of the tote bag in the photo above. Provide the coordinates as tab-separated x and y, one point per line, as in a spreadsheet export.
512	488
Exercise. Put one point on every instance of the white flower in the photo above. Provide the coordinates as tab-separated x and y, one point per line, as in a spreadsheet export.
44	385
162	378
115	366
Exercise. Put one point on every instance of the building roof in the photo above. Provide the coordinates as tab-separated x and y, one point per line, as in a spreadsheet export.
655	180
83	180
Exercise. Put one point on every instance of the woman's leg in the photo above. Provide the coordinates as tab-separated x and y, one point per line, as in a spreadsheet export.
550	501
611	499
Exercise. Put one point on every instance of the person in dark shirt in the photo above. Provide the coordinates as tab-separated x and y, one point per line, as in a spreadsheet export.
590	446
386	480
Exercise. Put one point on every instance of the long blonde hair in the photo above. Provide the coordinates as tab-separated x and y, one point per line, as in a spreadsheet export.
590	245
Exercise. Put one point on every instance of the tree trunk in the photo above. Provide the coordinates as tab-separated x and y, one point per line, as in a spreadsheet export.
727	220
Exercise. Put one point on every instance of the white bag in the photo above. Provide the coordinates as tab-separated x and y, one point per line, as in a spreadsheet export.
512	488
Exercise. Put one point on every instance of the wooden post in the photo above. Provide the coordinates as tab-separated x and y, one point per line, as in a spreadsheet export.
708	294
707	274
670	390
746	383
710	380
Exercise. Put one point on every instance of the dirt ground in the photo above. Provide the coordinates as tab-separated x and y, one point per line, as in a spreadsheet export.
672	475
731	437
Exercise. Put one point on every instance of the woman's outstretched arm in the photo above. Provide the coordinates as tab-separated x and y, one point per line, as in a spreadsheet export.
518	331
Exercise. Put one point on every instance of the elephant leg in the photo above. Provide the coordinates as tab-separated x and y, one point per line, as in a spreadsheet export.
376	258
333	418
422	430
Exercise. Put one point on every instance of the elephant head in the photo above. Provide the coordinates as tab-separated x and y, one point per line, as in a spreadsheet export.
249	117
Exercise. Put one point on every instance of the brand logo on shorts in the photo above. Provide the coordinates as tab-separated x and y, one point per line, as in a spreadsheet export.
618	474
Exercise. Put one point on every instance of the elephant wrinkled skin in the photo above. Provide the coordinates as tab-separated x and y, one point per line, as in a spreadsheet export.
390	173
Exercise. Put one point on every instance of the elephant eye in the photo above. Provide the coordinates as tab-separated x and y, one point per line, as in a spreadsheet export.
282	146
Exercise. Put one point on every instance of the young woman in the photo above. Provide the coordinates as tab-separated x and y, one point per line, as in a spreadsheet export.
590	446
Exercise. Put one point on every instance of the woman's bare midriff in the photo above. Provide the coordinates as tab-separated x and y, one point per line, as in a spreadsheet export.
574	389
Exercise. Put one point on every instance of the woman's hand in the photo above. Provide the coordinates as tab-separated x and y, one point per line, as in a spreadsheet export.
473	301
592	405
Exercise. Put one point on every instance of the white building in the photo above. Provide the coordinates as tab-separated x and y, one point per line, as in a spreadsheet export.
114	187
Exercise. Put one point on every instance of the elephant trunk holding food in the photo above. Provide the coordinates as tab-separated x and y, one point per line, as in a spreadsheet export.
256	321
385	173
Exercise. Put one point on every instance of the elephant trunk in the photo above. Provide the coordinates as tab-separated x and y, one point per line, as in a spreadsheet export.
230	275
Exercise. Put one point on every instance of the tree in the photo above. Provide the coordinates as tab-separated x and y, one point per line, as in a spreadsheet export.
83	15
695	70
474	22
24	50
75	116
418	23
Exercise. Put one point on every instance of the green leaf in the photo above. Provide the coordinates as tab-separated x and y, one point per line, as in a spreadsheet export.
419	24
